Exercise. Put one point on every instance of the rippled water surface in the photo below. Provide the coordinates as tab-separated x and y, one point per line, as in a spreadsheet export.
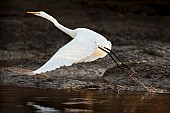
30	100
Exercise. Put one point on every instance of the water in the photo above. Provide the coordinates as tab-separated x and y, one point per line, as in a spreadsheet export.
31	100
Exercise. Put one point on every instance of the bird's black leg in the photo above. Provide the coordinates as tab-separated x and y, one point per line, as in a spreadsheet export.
118	59
113	59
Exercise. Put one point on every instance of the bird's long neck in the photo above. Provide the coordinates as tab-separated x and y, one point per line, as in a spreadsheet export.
66	30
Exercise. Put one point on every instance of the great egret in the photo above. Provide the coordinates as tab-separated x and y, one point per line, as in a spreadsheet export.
86	46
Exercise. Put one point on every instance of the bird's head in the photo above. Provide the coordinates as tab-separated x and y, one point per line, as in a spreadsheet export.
39	13
43	15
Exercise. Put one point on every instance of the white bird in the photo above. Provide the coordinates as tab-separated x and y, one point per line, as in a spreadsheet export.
86	46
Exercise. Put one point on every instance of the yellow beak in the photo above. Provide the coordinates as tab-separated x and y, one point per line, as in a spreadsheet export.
33	13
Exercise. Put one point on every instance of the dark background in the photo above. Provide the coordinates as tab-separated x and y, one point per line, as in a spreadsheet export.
123	22
138	29
115	19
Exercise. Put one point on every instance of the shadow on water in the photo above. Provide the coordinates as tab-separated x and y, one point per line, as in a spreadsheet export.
31	100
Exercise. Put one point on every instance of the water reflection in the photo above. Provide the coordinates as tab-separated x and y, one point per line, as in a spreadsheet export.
31	100
42	109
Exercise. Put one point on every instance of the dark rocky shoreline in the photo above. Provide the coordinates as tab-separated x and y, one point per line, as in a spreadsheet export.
140	37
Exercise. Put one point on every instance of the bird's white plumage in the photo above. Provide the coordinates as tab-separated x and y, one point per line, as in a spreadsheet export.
83	48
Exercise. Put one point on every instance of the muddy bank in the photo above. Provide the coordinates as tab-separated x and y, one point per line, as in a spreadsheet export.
152	69
140	37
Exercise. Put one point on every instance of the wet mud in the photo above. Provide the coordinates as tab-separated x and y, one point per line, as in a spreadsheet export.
140	38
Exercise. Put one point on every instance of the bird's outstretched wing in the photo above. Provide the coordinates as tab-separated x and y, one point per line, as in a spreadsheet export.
73	52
